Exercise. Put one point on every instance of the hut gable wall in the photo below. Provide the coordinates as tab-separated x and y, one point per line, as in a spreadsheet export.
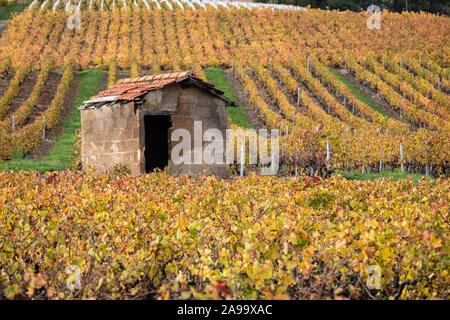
195	104
161	100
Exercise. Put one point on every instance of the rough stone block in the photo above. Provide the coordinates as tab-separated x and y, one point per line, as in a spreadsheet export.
187	97
130	157
89	114
121	146
152	100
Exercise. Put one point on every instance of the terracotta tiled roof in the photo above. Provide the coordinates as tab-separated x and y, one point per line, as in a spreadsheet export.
130	89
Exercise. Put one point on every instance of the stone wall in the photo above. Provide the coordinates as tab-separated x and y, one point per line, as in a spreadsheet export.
195	104
110	136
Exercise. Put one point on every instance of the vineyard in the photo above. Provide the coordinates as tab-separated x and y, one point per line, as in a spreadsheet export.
256	237
260	237
282	58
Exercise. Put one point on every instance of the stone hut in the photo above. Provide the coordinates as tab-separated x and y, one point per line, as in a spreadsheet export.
131	123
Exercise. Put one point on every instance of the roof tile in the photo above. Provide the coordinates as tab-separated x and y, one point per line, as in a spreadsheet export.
133	88
183	74
130	96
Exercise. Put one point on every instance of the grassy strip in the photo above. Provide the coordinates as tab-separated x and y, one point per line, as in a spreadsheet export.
6	12
237	114
359	95
63	151
353	175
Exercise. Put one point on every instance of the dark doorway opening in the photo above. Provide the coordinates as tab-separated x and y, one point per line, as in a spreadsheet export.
156	142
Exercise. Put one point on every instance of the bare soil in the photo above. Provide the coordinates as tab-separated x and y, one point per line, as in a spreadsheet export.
122	74
26	87
46	96
242	97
